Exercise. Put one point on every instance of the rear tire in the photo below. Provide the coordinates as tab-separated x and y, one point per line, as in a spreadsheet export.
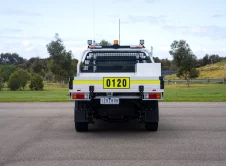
81	126
151	126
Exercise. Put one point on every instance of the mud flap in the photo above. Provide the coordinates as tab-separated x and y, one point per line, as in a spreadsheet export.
79	115
151	116
150	112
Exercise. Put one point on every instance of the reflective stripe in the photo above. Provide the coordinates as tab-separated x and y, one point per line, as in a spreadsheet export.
87	82
91	82
144	81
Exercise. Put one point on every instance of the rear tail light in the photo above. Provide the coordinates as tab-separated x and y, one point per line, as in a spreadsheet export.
153	96
79	96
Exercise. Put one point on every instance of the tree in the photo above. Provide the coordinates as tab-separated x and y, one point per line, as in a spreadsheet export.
166	64
60	60
74	65
194	73
205	60
215	58
184	60
36	82
8	58
1	82
157	60
49	77
39	66
104	43
7	70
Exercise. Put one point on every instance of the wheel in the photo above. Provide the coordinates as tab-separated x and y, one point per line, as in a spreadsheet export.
81	126
151	126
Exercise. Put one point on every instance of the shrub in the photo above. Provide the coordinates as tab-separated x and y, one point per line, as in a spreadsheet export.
1	82
6	71
14	81
24	77
18	80
36	82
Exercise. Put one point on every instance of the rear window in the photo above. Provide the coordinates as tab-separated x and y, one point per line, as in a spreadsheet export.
113	61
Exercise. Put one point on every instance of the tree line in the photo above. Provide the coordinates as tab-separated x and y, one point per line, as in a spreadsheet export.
17	72
206	60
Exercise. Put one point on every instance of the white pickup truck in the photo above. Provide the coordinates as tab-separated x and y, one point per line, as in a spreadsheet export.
116	83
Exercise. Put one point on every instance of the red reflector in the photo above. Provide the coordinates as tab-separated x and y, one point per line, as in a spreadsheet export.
78	96
154	96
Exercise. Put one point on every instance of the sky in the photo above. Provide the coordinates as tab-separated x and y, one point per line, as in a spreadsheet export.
28	26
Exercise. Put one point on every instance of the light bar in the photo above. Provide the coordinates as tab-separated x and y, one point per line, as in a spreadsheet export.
93	47
140	46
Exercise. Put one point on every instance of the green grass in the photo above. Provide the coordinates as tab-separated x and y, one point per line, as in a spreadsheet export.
51	93
195	93
173	92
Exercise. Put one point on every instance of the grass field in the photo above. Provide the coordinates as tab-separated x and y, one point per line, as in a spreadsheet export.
195	93
213	71
173	92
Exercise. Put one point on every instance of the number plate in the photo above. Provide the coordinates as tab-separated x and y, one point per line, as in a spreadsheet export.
109	101
116	83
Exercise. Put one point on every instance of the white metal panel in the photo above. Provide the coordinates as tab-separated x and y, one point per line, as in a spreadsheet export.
99	76
106	75
148	69
99	88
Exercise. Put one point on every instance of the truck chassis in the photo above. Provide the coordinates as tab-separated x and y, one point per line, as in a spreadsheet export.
135	101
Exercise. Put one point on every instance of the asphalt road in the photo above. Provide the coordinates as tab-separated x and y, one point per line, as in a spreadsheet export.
43	134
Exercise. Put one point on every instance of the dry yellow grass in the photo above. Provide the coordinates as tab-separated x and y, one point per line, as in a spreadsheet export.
213	71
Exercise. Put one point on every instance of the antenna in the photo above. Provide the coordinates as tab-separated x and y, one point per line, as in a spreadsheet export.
93	24
151	51
119	31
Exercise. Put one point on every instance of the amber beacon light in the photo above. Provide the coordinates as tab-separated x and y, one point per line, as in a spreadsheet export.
115	41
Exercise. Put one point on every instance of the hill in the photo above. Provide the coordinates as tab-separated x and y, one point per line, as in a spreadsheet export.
212	71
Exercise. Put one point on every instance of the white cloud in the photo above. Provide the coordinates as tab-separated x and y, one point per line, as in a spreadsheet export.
218	16
16	12
146	19
152	1
26	43
204	49
212	32
29	48
10	31
77	51
196	29
164	47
